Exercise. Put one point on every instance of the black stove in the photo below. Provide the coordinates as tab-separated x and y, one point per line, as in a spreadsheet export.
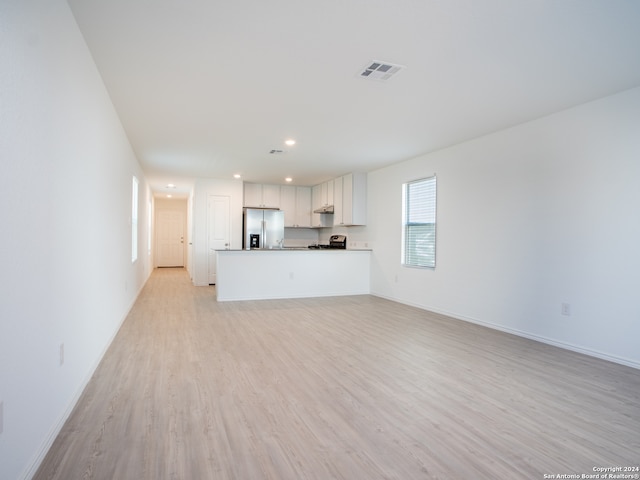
335	242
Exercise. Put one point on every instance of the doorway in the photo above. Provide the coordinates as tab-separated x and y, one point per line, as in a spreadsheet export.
170	232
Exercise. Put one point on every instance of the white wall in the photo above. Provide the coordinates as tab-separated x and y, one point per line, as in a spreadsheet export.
300	237
66	277
543	213
200	248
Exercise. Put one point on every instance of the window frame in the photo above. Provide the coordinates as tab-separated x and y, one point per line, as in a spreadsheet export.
411	235
134	218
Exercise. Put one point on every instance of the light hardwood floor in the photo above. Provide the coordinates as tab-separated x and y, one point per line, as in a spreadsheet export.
337	388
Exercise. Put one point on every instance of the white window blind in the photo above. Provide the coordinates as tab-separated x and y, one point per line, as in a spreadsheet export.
419	225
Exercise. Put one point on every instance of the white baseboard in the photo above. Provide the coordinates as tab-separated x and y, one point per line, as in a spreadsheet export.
521	333
37	459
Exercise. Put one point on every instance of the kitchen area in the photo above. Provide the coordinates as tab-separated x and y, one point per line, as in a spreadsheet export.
290	248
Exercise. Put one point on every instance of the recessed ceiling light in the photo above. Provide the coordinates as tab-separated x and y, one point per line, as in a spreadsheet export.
290	142
237	175
170	185
169	196
288	179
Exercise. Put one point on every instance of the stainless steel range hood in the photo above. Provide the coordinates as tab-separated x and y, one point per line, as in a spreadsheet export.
325	209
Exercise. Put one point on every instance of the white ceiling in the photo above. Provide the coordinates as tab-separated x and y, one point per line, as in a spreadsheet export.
206	88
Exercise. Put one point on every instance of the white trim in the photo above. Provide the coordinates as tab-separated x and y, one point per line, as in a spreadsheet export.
520	333
33	465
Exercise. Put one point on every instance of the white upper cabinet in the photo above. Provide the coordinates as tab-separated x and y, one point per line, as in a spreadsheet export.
338	218
261	196
288	204
316	197
303	207
321	196
316	202
296	204
350	200
347	194
330	192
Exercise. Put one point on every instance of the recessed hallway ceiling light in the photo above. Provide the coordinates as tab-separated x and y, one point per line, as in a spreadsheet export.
237	175
288	179
170	185
290	142
169	196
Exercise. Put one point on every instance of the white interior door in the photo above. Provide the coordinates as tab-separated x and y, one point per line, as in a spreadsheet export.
218	229
170	238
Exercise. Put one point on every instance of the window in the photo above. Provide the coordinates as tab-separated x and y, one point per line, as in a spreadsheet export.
419	223
150	209
134	220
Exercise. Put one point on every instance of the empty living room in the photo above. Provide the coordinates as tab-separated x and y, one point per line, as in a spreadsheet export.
335	240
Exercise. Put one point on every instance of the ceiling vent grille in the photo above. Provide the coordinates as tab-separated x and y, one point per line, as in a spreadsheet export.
381	71
276	152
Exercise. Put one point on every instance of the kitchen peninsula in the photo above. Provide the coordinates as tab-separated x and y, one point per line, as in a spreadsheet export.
291	273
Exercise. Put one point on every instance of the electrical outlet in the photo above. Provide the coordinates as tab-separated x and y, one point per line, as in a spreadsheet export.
565	309
61	354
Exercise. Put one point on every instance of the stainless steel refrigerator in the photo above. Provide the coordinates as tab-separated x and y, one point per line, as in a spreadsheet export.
262	228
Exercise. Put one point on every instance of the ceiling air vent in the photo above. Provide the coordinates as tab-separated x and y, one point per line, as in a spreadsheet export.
275	152
382	71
